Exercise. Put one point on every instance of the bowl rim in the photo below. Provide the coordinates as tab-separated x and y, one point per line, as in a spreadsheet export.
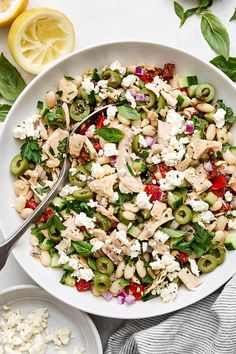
85	307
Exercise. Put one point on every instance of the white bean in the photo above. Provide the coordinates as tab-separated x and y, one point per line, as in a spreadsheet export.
222	135
217	205
129	215
123	120
78	79
115	287
211	132
221	223
20	203
33	240
50	99
122	227
205	107
130	207
26	213
149	130
144	122
129	271
230	138
229	157
120	270
29	195
218	236
131	68
45	258
136	123
103	160
141	270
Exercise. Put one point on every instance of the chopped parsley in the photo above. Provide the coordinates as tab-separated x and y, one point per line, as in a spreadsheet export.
31	151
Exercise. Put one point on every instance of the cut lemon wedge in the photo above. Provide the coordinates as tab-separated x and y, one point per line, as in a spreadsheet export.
40	36
10	9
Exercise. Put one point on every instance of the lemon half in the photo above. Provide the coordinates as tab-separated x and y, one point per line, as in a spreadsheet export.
10	9
40	36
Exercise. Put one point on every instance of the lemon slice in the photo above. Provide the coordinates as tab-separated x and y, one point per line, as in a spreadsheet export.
40	36
10	9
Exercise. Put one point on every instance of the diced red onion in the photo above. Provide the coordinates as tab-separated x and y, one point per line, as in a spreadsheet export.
89	134
113	160
208	166
42	174
107	296
149	140
174	225
133	93
130	299
160	195
140	97
90	179
139	70
189	128
121	298
186	228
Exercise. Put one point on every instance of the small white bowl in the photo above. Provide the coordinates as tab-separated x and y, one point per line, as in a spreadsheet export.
97	56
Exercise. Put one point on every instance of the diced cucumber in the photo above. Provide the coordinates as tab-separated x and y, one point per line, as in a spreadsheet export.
184	101
183	82
233	150
58	203
230	241
67	279
192	80
133	231
210	198
175	199
55	260
191	90
209	117
172	233
67	268
196	216
46	245
65	213
69	198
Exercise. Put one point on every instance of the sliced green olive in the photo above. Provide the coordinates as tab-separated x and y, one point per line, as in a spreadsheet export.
55	238
18	165
135	144
139	166
83	195
122	219
161	103
75	180
103	222
79	110
207	263
146	214
205	92
183	215
101	282
114	78
219	253
105	265
150	102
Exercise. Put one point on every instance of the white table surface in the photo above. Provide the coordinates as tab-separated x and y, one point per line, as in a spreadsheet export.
97	21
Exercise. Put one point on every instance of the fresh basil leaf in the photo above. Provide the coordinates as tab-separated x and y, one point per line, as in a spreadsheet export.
188	13
11	81
62	148
95	76
92	264
233	17
147	280
55	119
113	135
53	224
69	78
128	112
227	66
83	247
31	151
148	297
225	147
124	282
203	5
179	10
215	34
4	109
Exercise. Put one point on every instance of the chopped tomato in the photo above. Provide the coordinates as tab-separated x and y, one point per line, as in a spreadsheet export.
164	169
218	185
97	146
168	71
183	89
182	256
83	157
83	285
48	213
83	130
153	190
100	121
31	204
41	219
225	207
136	290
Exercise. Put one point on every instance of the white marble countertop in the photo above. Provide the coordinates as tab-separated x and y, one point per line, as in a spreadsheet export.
98	21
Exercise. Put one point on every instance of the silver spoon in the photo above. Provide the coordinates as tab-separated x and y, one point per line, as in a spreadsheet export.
7	245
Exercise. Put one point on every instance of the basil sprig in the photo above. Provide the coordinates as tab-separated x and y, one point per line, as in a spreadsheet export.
113	135
83	247
227	66
128	112
183	15
215	34
233	17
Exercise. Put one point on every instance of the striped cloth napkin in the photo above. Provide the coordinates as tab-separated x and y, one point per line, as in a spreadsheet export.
207	327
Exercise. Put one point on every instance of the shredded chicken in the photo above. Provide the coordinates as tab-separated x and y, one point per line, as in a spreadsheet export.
71	231
51	145
77	142
110	249
197	177
200	146
161	248
109	215
189	279
69	90
163	133
67	115
63	245
151	226
158	209
104	186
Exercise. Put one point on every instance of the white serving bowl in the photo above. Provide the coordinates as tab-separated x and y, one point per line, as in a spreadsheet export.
74	64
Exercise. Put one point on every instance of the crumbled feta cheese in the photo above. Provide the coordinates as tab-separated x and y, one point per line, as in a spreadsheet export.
160	236
117	66
143	201
63	258
175	151
100	152
142	141
207	216
157	265
29	128
219	117
233	213
168	294
115	197
97	170
74	263
88	85
156	159
228	196
173	179
82	177
136	130
130	99
110	150
67	189
102	95
199	205
122	237
92	203
144	246
176	121
135	249
82	219
232	224
102	83
111	112
97	245
171	265
122	172
73	171
194	267
86	274
129	80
